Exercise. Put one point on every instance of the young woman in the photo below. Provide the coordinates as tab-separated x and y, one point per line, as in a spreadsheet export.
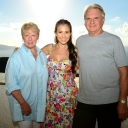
61	89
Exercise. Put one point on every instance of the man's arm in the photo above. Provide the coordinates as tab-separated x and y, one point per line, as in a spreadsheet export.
122	105
127	77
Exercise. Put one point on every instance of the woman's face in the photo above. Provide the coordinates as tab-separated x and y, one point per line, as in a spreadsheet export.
63	34
30	38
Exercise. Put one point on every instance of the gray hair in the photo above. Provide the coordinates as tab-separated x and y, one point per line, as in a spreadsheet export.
94	6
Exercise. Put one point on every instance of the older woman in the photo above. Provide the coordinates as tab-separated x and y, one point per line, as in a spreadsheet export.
26	79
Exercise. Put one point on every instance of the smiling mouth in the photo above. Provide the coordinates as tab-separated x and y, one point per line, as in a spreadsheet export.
30	42
63	40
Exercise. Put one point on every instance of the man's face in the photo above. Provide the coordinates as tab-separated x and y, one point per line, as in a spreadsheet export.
94	22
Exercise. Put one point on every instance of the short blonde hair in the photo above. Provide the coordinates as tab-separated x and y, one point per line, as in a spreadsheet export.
30	25
94	6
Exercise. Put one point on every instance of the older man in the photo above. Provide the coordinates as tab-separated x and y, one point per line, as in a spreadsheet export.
103	75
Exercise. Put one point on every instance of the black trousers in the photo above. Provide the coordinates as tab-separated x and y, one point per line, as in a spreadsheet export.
106	115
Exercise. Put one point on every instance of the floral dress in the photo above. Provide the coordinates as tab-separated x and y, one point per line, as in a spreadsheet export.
61	95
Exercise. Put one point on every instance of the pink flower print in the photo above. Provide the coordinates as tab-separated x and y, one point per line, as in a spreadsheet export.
51	85
57	105
61	98
57	84
60	119
49	125
60	66
50	72
50	103
68	85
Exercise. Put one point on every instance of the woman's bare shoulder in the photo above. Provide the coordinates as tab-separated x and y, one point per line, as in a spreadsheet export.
46	48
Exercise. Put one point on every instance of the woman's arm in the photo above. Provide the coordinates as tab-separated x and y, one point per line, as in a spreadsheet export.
46	49
12	86
26	109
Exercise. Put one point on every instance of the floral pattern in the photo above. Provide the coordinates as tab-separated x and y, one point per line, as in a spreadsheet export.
61	95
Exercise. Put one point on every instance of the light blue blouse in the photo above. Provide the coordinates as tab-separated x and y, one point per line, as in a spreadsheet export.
30	76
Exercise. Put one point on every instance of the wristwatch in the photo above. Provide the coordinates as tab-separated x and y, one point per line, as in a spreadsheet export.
123	101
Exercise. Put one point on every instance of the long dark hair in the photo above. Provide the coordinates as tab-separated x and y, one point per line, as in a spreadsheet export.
71	47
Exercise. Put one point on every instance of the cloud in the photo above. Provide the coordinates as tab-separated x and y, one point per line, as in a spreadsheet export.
77	31
5	29
81	30
116	18
15	26
124	30
107	28
125	41
9	27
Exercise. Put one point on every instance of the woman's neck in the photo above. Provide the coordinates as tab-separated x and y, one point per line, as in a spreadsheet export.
34	52
61	46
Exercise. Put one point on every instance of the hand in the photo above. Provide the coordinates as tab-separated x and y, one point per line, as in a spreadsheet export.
122	110
16	48
26	109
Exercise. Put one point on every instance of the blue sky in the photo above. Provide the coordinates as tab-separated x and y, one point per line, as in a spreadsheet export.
45	13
